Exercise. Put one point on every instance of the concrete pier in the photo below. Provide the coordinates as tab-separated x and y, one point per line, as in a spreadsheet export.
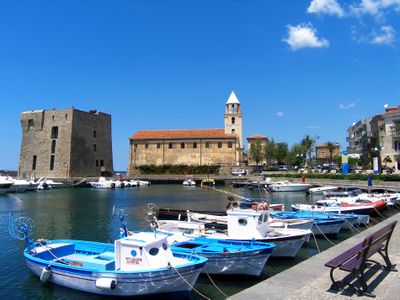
310	279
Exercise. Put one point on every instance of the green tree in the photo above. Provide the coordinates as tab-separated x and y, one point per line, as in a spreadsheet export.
387	160
269	151
308	143
331	147
281	152
256	152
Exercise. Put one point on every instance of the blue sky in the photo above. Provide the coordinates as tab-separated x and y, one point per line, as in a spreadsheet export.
297	66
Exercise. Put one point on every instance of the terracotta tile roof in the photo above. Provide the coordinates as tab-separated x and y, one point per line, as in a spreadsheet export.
256	137
325	146
181	134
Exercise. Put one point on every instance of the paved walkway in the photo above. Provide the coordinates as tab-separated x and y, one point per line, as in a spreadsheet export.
310	279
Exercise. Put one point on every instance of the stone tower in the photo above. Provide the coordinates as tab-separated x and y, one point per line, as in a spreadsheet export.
65	143
233	121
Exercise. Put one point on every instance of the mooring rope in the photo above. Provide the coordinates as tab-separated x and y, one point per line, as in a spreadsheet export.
352	227
324	234
379	214
315	241
188	283
218	289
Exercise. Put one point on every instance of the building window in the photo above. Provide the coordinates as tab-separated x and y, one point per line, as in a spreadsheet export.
396	145
134	147
94	133
233	121
31	123
229	144
53	146
182	145
94	147
207	144
66	116
219	145
170	146
52	117
52	161
158	145
146	146
194	145
233	131
34	163
101	163
97	162
54	132
233	108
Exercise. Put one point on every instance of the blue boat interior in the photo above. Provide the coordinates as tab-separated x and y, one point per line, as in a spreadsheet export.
67	253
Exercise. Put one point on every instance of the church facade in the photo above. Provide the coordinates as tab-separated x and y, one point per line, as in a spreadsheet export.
191	146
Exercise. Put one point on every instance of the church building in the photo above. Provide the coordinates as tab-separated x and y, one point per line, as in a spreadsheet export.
191	146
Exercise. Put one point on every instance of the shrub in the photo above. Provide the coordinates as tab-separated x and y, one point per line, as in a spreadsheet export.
178	169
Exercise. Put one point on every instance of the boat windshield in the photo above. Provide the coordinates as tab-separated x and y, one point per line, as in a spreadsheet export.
263	218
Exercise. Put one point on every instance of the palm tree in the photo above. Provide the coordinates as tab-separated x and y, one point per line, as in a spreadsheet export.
308	142
331	147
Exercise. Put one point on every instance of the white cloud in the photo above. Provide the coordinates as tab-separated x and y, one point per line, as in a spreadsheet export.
347	106
329	7
304	36
280	113
386	37
375	7
312	127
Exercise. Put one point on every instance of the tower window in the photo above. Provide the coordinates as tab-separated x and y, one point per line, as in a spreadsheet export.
170	146
194	145
97	162
52	161
31	123
94	133
53	146
233	121
182	145
94	147
101	163
34	163
233	108
66	116
207	144
52	117
229	144
219	145
233	131
54	132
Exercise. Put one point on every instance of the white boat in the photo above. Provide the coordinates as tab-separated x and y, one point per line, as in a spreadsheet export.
322	189
5	184
246	225
103	183
287	186
189	182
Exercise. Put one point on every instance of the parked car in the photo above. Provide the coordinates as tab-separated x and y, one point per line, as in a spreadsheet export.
283	168
239	172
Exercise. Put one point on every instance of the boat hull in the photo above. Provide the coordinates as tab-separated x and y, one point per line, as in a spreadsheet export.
289	188
128	284
332	227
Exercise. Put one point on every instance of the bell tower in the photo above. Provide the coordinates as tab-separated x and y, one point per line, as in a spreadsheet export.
233	120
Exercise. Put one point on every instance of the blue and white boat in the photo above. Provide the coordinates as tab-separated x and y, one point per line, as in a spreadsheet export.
141	264
228	256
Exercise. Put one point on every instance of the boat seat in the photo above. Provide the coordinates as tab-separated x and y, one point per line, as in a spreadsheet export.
97	262
51	251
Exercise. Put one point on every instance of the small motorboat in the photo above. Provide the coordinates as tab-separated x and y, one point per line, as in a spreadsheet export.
321	189
137	265
207	182
287	186
189	182
228	257
102	183
5	184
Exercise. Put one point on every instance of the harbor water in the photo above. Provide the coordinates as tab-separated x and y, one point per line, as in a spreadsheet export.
86	214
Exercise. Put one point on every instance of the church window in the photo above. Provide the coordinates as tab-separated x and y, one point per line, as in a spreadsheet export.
53	146
207	144
194	145
233	131
233	121
233	108
182	145
158	145
54	132
170	146
34	163
146	146
31	123
219	145
229	144
52	161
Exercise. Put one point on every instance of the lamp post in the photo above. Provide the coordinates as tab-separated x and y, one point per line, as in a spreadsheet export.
300	158
375	161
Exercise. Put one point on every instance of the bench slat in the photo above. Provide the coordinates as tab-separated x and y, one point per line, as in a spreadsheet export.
340	259
355	262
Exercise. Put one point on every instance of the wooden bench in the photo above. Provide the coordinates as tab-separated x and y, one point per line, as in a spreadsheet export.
355	260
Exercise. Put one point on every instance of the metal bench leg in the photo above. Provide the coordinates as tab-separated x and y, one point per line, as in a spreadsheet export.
335	284
364	286
389	265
